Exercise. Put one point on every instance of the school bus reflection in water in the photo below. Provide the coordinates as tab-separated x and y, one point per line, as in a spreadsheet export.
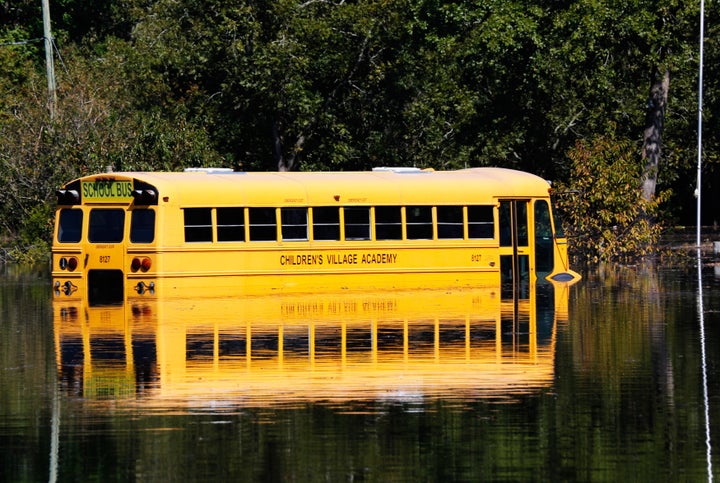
283	350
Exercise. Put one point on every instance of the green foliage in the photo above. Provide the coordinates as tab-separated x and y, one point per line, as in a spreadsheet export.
343	85
16	65
33	244
606	217
32	255
38	226
97	126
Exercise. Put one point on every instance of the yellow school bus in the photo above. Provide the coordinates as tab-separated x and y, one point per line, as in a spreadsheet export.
280	349
119	236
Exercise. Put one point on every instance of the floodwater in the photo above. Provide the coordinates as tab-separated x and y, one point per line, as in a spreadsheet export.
613	378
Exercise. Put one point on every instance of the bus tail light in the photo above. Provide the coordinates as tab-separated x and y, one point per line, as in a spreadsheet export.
69	264
140	263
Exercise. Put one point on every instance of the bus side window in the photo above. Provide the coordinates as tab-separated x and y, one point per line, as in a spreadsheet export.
106	225
450	222
294	223
419	222
388	223
70	226
326	223
480	222
263	224
230	224
142	226
357	223
198	224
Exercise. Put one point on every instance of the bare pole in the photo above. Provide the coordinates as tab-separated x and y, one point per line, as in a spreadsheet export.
49	62
698	189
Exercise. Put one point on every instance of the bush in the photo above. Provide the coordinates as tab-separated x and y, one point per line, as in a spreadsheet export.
602	206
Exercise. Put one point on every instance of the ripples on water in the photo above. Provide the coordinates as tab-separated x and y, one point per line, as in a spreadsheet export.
595	382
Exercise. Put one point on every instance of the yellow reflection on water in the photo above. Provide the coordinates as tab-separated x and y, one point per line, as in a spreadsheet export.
327	347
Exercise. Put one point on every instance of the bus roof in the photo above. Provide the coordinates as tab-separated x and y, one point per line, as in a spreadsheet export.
387	186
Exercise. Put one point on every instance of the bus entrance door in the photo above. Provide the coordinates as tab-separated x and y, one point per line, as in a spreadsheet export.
514	248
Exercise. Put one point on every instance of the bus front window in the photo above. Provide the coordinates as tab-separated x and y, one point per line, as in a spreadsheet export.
544	246
106	225
559	232
70	226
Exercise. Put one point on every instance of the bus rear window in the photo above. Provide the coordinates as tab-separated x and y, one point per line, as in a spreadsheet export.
142	226
106	225
70	226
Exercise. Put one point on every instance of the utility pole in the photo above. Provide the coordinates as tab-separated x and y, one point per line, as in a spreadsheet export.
698	188
49	62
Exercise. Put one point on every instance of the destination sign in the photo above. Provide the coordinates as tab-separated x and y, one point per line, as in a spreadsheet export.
107	191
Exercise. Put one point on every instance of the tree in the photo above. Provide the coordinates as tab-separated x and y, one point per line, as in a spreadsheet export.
326	84
602	204
97	127
652	136
600	58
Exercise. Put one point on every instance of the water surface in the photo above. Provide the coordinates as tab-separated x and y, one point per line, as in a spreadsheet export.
603	381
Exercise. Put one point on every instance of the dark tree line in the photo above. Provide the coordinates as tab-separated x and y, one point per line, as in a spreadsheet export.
335	84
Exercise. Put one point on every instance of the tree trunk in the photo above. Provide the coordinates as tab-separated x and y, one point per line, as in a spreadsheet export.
285	162
652	136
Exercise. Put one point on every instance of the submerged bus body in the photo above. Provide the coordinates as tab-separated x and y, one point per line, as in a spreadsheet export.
119	236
